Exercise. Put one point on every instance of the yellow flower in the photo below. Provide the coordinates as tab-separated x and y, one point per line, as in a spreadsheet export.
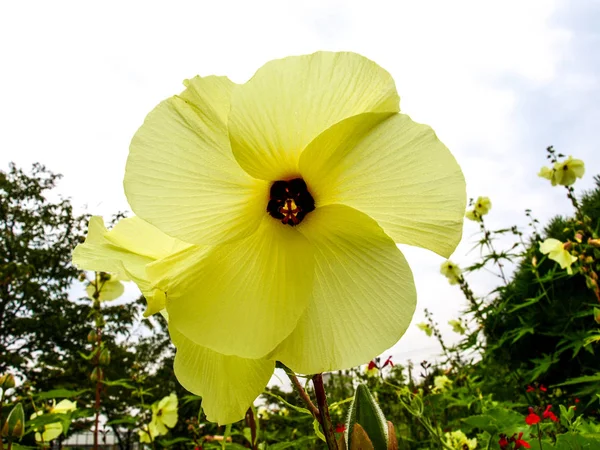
471	214
483	205
441	383
557	252
54	430
564	172
164	416
290	192
109	287
459	441
457	326
426	328
480	208
451	271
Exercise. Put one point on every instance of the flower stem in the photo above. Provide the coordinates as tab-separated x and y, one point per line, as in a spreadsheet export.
303	394
324	410
539	435
252	425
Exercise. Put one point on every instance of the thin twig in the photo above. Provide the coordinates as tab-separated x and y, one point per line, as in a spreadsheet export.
304	395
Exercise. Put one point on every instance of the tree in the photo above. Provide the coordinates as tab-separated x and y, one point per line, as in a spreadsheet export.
37	237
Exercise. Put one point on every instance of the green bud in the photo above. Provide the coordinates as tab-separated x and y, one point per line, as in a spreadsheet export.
7	381
365	411
14	427
92	336
97	374
104	358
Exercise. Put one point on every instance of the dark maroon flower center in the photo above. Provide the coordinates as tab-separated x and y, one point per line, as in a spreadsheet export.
290	201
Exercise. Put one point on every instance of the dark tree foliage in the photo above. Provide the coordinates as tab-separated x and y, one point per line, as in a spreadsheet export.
37	237
43	329
536	327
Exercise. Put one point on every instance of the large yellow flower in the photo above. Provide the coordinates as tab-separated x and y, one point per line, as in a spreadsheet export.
286	196
55	429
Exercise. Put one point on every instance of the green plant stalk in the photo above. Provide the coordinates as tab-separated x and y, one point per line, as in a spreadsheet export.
326	423
539	433
489	245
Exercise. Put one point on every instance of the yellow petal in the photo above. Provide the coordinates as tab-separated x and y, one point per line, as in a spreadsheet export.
398	173
364	295
240	298
227	384
128	247
291	101
51	431
550	245
181	175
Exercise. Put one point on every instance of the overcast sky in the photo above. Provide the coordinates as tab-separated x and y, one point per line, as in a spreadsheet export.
498	84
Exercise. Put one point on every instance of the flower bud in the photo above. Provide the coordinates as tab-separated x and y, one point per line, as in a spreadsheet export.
594	242
92	336
104	358
97	374
14	427
7	381
365	411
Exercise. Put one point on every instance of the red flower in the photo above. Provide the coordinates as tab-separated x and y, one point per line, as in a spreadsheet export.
372	365
520	443
532	418
530	388
388	362
340	428
503	442
549	414
543	388
576	400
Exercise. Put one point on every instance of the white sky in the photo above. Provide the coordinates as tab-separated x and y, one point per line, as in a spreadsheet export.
498	81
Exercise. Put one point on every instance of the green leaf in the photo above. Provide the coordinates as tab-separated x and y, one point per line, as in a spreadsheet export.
59	393
318	432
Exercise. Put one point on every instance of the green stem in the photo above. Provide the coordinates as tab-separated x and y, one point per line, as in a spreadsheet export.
539	436
324	411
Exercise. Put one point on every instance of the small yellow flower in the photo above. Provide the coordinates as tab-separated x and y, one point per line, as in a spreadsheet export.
471	214
564	172
263	412
480	208
451	271
441	383
457	326
426	328
483	205
556	251
164	416
290	192
55	429
459	441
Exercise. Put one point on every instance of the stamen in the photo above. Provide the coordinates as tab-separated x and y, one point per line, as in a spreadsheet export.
290	201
